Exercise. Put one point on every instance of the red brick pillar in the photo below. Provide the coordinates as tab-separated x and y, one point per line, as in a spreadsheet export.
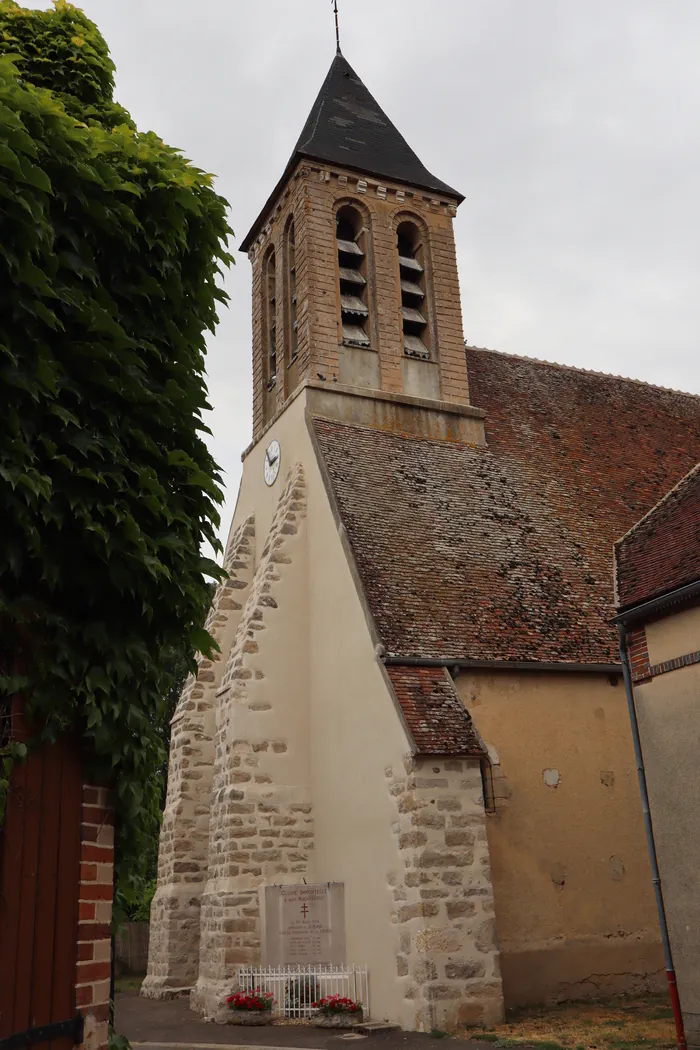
92	982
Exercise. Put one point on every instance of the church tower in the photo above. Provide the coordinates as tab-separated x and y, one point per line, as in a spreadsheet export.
354	268
292	759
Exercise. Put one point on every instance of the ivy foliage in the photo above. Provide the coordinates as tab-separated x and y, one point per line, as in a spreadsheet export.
111	247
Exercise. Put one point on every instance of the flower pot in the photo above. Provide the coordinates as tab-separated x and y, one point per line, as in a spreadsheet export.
342	1019
249	1017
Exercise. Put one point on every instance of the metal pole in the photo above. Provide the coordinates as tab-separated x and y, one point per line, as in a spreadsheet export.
651	845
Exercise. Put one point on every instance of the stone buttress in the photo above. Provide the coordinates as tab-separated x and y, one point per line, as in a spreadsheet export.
444	907
173	958
261	825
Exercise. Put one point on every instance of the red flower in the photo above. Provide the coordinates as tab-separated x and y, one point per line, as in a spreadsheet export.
336	1004
257	1000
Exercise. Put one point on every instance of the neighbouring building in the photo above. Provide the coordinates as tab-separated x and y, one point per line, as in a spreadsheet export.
657	578
419	691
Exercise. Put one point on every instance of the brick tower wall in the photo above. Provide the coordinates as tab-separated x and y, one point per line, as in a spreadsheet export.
311	197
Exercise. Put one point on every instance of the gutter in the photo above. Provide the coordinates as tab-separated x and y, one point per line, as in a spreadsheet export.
647	609
651	845
461	664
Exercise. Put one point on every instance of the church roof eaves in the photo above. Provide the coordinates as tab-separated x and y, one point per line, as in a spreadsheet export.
347	128
433	712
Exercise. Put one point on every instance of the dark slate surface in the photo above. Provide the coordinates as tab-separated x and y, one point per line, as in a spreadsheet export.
346	126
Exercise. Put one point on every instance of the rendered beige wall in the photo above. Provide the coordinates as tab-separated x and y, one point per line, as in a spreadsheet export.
668	712
356	732
574	904
673	636
357	737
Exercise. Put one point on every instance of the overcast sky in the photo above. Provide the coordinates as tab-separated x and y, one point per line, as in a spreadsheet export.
571	126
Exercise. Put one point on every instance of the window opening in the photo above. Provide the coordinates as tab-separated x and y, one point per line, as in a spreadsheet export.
270	306
351	237
416	333
292	294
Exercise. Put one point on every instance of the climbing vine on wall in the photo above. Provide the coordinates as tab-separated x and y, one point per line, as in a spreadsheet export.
111	246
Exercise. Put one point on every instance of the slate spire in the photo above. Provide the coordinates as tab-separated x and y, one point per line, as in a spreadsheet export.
347	127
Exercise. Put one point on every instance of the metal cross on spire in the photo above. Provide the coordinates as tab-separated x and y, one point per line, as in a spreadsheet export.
337	27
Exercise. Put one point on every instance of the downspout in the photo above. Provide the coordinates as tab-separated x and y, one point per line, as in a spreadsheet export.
651	845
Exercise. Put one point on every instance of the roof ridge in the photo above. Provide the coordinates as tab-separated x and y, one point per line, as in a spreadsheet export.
581	369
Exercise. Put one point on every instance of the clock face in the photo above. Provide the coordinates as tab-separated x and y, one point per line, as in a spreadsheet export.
271	467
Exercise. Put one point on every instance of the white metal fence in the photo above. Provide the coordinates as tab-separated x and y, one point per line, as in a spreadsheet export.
296	988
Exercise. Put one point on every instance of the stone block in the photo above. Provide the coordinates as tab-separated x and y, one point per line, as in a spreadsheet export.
428	819
459	838
465	970
441	992
412	838
425	970
460	910
444	859
419	910
485	936
453	878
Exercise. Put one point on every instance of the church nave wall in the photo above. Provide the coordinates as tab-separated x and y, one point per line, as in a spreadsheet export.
574	903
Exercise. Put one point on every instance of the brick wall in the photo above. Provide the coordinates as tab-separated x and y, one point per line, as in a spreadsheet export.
312	196
638	655
92	983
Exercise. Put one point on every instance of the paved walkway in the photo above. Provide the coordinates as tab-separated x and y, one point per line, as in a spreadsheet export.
153	1025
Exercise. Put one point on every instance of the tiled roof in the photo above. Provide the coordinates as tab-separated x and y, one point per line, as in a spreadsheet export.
433	711
662	551
505	553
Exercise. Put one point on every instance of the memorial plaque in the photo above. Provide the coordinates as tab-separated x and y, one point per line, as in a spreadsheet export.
305	925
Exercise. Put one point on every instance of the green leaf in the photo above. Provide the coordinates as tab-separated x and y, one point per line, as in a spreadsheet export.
108	491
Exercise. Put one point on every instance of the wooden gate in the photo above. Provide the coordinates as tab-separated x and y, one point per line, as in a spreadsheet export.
39	891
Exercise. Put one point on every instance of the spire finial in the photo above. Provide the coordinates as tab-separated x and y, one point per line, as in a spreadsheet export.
337	28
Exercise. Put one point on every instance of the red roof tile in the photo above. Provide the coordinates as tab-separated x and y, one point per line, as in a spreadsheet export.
434	713
662	551
505	553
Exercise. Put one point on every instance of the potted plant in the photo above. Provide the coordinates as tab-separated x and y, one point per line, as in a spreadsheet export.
253	1007
337	1011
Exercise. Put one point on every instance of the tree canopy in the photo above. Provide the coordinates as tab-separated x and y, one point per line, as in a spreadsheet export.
111	246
